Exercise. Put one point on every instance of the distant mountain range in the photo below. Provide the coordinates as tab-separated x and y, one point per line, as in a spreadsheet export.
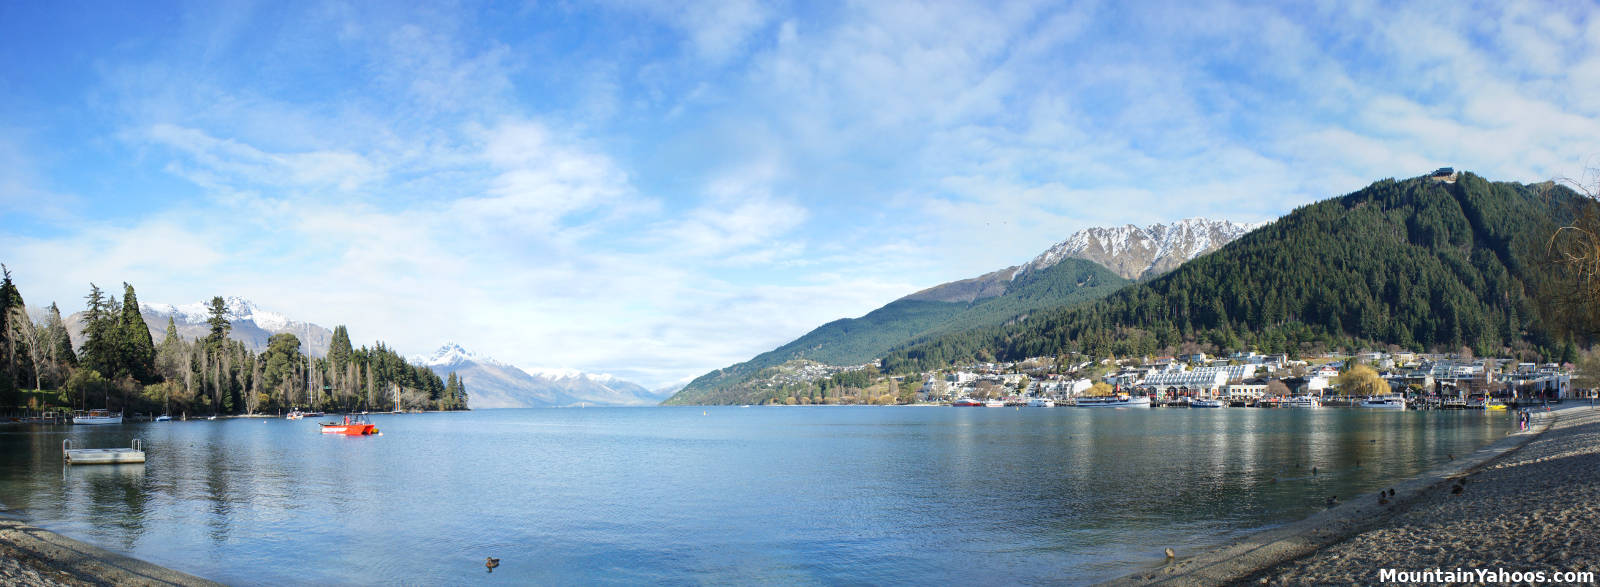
493	384
251	325
1070	272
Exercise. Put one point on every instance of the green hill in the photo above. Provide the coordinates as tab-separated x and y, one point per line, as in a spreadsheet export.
853	341
1417	263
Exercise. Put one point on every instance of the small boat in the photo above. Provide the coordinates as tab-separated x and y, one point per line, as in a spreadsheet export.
1494	406
1384	402
1041	402
312	414
295	415
1207	403
967	402
359	426
1304	401
97	417
994	403
163	418
1122	400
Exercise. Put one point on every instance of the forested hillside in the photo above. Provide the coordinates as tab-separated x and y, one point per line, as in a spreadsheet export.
1418	263
852	341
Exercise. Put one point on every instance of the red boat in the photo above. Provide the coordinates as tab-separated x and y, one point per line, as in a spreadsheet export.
358	427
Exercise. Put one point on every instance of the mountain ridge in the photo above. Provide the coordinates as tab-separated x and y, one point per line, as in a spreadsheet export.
1061	275
1418	263
495	384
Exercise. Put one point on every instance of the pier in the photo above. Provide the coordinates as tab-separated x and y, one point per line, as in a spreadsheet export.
102	456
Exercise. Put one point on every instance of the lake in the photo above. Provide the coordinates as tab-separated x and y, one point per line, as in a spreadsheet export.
791	495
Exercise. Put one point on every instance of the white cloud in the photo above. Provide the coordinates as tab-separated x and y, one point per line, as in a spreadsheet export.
217	158
601	199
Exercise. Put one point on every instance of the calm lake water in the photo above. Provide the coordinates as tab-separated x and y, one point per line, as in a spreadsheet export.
799	495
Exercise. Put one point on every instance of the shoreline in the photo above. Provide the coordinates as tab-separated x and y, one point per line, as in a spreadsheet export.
36	557
1269	555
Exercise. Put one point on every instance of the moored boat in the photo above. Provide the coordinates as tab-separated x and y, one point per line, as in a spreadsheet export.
967	402
164	418
994	403
97	417
1114	401
1207	403
295	415
358	426
1494	406
1041	402
1384	402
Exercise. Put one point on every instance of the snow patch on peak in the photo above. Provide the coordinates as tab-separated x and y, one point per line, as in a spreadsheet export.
236	309
454	354
1135	252
568	373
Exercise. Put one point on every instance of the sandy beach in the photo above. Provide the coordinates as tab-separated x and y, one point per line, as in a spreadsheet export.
1527	503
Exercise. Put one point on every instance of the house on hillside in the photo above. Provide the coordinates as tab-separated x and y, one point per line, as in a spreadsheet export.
1444	174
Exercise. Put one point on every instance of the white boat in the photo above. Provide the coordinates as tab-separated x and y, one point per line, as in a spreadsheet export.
1384	402
97	417
1304	401
1207	403
1040	402
1114	401
163	418
994	403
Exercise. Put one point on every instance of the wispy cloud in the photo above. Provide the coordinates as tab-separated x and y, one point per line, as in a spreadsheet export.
657	189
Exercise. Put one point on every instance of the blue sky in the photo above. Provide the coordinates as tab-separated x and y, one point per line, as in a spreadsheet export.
656	189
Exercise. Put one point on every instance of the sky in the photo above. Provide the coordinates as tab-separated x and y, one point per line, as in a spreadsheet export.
658	189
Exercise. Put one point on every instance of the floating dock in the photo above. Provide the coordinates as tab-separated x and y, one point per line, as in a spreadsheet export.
102	456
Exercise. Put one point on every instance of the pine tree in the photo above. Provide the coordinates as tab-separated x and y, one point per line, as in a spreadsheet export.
139	350
10	302
339	349
218	321
99	334
60	338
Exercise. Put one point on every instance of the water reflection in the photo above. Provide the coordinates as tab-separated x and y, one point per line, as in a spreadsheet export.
786	495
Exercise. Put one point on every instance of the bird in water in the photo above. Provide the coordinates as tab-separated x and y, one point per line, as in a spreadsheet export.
1382	500
1333	500
491	563
1456	490
1170	554
1391	492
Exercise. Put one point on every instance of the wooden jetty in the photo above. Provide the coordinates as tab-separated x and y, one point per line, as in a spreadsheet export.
102	456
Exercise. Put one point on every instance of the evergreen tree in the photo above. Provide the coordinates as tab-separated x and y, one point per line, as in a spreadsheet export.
100	334
61	339
339	349
218	321
10	300
138	349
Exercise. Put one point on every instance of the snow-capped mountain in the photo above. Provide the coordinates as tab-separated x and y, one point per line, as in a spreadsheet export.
494	384
1142	252
252	325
